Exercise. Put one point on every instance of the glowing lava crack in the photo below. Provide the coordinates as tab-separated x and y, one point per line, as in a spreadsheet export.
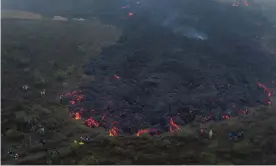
75	97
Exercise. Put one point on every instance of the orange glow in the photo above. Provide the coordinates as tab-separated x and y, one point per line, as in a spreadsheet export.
77	116
226	117
268	102
113	131
103	116
244	111
173	126
91	122
266	90
70	93
79	98
142	131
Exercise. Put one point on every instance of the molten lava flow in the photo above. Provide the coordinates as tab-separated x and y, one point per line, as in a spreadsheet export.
73	93
266	90
113	131
79	97
142	131
173	126
268	102
244	111
116	77
149	131
206	119
77	116
130	14
227	117
103	116
91	122
70	93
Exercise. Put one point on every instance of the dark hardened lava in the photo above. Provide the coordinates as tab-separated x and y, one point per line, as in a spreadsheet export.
164	75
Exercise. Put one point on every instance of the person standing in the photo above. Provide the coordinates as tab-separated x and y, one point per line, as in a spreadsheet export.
210	134
201	132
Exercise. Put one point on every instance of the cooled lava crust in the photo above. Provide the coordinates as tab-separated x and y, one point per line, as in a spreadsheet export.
156	79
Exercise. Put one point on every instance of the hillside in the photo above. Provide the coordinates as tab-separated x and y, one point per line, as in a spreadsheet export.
140	89
19	14
45	56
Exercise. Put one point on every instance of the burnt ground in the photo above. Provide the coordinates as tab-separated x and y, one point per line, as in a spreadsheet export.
154	74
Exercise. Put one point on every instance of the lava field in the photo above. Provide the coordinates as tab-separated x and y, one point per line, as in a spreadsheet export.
162	73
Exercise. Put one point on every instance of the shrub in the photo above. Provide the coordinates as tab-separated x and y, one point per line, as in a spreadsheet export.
89	160
14	135
39	80
71	69
208	158
60	75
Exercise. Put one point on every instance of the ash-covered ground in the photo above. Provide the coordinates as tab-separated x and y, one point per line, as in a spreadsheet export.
175	61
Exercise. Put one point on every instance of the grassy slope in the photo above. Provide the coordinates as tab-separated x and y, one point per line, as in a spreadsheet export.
43	51
44	55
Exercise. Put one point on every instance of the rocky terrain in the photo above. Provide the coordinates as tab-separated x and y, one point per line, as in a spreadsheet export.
169	70
138	82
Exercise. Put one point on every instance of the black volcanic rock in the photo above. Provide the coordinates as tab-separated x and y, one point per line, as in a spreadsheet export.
153	74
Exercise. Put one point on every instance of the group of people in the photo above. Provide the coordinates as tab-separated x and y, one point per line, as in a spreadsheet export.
26	87
13	154
232	135
203	133
235	136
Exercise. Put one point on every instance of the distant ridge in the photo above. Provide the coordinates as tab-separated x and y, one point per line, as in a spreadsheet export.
6	14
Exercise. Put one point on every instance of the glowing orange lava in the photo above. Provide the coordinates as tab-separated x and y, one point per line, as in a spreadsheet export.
113	131
70	93
79	97
173	126
226	117
77	116
268	102
266	90
244	111
142	131
92	123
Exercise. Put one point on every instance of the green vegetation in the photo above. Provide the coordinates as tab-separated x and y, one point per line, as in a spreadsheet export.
49	55
44	55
